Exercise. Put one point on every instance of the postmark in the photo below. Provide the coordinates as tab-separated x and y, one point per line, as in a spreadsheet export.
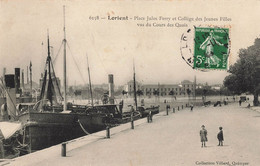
206	48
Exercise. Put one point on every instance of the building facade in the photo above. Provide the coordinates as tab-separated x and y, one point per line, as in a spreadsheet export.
163	89
129	87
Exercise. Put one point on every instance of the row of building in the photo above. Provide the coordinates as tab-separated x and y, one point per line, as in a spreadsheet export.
185	88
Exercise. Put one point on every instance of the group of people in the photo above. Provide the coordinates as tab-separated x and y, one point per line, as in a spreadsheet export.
204	138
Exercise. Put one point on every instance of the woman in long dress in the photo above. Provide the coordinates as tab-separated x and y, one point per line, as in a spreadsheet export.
203	136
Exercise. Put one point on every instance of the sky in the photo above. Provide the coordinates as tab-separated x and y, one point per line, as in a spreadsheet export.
112	46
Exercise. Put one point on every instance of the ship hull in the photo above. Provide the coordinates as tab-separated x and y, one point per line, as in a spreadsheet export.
43	130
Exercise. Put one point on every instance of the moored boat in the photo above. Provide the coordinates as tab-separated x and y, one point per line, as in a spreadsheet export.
51	122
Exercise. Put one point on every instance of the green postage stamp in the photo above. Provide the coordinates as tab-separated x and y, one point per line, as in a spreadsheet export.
211	48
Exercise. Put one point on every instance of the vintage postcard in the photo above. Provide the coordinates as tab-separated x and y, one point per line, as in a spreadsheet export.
127	82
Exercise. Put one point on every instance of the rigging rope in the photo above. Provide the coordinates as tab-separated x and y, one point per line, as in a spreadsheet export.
98	54
58	52
76	64
86	132
56	80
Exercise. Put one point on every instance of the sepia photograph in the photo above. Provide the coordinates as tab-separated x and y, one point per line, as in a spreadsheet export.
129	83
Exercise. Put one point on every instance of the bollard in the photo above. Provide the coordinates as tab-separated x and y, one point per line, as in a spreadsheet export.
108	132
2	150
63	149
132	124
148	119
167	111
178	108
173	110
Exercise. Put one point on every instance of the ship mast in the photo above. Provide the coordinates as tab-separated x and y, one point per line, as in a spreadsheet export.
64	65
135	99
49	67
90	88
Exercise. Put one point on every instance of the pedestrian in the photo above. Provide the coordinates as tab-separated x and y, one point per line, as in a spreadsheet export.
248	106
150	116
240	102
203	136
220	137
121	106
191	107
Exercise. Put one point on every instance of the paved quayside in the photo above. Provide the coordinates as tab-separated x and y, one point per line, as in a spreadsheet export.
171	140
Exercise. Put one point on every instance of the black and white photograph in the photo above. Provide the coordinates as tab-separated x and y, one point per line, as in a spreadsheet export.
129	83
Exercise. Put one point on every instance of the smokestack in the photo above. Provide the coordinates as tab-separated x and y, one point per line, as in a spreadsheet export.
22	79
30	76
27	76
111	88
10	96
17	80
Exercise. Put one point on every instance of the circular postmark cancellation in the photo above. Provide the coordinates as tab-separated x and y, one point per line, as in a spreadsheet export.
206	48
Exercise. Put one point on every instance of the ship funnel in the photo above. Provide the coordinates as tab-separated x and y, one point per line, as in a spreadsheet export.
22	80
17	80
10	96
111	88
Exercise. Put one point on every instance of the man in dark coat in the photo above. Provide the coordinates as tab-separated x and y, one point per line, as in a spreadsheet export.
220	137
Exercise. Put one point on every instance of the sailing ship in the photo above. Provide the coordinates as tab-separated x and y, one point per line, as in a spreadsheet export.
49	122
144	111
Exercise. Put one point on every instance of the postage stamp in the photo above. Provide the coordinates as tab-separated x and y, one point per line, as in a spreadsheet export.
206	47
211	48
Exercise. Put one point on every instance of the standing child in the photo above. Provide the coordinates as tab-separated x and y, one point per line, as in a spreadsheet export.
203	136
220	137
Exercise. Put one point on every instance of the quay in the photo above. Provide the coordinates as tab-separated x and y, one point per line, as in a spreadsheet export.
170	140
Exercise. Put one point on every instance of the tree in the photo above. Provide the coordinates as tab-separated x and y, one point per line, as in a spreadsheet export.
204	94
139	93
124	92
156	93
244	73
188	92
